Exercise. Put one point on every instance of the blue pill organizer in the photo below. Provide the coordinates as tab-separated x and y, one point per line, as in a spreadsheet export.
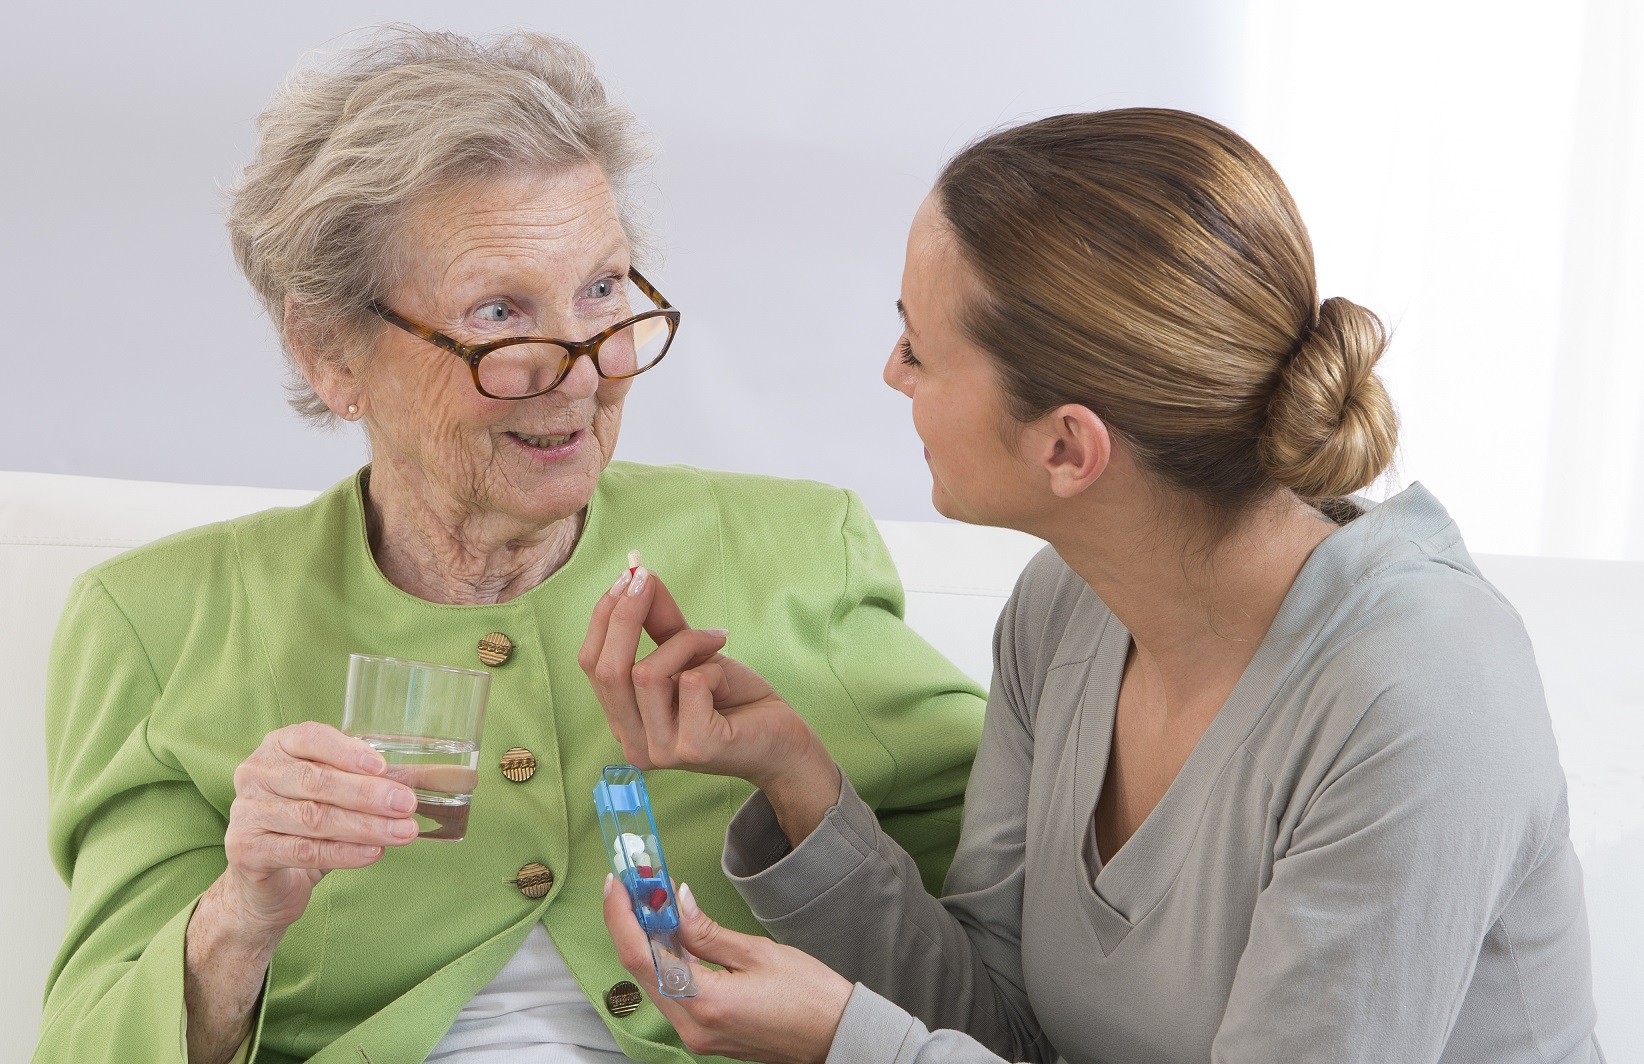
635	855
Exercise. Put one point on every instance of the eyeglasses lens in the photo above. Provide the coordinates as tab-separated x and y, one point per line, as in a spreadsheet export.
527	369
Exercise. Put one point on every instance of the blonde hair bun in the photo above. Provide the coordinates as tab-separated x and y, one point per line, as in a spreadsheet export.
1331	427
1185	309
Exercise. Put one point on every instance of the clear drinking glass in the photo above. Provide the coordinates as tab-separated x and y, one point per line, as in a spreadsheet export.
425	721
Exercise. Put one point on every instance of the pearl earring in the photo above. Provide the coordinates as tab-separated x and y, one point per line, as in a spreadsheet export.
353	410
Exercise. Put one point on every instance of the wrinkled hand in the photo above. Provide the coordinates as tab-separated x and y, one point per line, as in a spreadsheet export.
307	800
770	1003
685	705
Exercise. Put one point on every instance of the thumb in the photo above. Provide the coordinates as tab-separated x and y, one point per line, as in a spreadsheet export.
664	619
708	941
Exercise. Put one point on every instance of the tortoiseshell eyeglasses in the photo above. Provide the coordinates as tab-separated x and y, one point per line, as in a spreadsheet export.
522	367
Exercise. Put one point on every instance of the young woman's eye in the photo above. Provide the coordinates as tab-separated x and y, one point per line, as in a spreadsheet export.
904	352
601	289
493	313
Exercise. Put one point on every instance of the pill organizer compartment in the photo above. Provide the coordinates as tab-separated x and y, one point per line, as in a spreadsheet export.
635	854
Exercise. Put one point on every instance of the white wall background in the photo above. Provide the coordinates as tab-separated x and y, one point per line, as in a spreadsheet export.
793	145
1464	168
1474	170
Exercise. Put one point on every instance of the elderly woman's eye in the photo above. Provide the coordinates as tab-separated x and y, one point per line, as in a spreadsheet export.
601	289
494	313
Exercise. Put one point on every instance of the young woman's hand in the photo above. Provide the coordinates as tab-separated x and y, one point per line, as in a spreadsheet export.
686	705
770	1003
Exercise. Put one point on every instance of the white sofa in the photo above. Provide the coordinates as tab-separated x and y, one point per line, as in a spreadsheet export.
1582	616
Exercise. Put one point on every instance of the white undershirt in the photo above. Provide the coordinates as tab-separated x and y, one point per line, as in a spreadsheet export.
533	1012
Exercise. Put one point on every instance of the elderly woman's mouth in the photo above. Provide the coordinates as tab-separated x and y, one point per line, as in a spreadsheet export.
548	442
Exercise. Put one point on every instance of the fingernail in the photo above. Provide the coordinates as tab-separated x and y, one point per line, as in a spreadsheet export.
638	583
609	879
403	802
621	582
687	901
373	762
723	633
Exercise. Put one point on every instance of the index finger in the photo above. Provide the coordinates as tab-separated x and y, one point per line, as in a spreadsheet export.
644	604
599	624
634	951
311	740
664	619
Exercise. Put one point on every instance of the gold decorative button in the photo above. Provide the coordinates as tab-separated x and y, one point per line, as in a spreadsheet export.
623	998
534	880
494	649
518	764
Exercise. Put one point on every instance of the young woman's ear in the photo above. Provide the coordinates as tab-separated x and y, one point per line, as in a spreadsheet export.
1073	447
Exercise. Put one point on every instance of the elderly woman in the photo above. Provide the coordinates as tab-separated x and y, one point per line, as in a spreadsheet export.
1266	775
435	227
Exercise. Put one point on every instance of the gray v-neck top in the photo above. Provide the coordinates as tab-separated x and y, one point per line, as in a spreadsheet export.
1365	858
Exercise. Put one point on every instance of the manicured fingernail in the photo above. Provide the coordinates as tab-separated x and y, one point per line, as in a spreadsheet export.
621	582
723	633
609	879
638	583
687	900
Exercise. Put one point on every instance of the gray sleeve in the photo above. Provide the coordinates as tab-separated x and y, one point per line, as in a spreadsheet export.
1438	804
876	1031
849	896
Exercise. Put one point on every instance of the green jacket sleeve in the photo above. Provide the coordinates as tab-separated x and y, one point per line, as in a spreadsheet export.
924	712
132	836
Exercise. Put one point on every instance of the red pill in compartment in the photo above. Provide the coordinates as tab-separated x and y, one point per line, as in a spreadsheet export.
658	898
644	871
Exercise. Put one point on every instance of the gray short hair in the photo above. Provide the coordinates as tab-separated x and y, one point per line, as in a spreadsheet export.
346	149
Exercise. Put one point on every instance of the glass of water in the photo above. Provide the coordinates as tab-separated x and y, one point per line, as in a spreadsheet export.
425	721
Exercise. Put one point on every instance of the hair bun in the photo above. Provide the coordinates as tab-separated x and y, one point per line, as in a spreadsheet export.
1331	428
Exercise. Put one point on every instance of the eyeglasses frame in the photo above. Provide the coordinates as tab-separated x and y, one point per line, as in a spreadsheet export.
574	349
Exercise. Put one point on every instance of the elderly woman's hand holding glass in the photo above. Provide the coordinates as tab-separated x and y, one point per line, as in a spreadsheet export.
436	228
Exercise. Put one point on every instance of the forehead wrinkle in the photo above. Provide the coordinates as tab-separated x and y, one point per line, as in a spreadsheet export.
538	250
536	229
519	257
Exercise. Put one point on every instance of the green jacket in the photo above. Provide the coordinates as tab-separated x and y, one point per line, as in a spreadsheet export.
174	660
